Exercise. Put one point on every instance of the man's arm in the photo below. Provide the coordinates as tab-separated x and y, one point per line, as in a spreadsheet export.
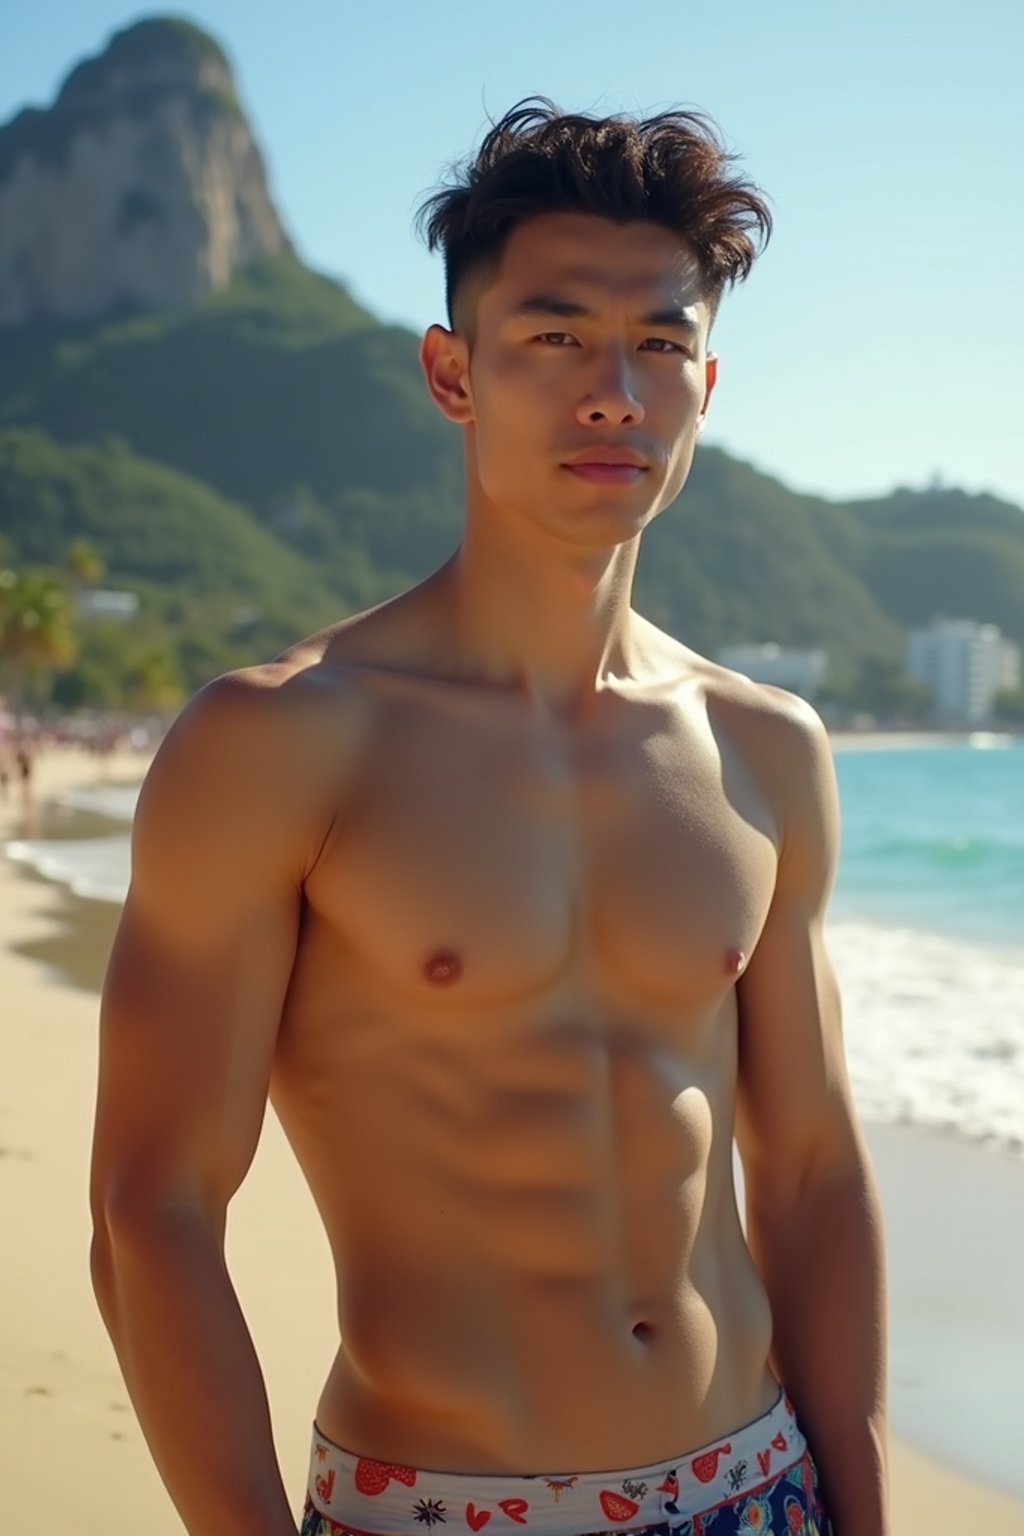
814	1221
189	1019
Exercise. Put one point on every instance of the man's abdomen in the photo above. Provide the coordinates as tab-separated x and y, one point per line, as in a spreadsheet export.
533	1219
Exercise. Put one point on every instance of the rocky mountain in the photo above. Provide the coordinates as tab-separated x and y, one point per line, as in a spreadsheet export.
140	189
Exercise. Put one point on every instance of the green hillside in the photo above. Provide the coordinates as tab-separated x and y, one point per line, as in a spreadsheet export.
273	454
944	552
201	564
738	557
280	381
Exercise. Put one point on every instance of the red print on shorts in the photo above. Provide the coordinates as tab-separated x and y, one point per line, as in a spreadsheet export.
780	1441
763	1458
325	1486
476	1519
515	1509
372	1477
705	1467
616	1507
794	1511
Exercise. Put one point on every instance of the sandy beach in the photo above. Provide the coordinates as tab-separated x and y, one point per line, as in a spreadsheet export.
71	1455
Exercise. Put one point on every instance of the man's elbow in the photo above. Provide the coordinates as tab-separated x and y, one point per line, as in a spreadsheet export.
780	1188
103	1276
136	1224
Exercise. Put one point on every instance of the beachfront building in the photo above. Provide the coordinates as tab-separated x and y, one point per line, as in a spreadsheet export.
966	665
100	603
801	671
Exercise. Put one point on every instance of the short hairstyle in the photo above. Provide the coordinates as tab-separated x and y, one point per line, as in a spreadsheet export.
672	169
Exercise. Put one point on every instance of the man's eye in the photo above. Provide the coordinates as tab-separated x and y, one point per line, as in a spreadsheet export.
557	336
662	343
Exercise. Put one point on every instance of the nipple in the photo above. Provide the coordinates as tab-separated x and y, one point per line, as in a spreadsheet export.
442	967
735	962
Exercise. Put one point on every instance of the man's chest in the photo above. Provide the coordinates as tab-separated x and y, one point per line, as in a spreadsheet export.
498	863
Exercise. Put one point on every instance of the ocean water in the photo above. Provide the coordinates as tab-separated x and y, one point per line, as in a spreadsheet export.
933	838
927	935
926	927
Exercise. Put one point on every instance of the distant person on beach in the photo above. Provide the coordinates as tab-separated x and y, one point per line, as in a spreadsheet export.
514	906
24	767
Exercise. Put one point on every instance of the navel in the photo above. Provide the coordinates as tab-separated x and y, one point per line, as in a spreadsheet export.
735	962
443	967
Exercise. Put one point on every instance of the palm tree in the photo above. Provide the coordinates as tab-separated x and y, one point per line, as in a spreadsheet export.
36	629
153	682
83	564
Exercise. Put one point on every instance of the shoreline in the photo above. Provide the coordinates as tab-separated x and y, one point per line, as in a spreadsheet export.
877	740
65	1401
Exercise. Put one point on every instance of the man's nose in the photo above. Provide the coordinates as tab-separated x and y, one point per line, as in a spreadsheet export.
612	396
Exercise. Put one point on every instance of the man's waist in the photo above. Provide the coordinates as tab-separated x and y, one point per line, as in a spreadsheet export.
597	1408
379	1494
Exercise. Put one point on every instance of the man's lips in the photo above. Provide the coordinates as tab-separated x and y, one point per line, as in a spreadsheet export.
607	464
608	453
606	474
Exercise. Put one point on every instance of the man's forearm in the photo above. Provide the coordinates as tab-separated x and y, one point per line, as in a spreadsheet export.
822	1260
192	1373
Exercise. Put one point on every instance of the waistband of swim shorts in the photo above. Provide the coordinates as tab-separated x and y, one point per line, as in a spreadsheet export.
383	1499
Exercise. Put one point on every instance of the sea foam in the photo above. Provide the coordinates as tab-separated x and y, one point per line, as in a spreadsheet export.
934	1030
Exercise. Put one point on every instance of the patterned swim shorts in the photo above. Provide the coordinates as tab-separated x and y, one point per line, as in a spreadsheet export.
759	1481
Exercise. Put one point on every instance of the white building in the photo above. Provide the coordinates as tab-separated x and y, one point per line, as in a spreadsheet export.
965	664
101	603
801	671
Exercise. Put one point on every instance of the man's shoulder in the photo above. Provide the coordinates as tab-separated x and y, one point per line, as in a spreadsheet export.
276	740
322	691
771	722
297	700
778	736
786	721
318	683
785	748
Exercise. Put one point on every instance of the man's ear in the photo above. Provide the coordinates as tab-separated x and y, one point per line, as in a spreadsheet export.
710	380
444	358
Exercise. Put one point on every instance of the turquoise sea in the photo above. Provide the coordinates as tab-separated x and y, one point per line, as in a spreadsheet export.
933	838
927	935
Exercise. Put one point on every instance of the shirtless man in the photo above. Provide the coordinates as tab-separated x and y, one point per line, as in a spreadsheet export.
514	906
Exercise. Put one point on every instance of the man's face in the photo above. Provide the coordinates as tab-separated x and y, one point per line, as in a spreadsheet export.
592	335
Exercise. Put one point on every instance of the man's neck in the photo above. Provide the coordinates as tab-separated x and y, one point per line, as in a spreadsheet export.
553	622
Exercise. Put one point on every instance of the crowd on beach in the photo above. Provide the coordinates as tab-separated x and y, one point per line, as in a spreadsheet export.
24	741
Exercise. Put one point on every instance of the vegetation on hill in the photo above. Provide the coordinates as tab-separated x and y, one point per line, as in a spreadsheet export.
944	552
216	590
270	460
280	381
740	558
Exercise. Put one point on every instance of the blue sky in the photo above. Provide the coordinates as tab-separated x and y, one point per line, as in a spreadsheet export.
879	342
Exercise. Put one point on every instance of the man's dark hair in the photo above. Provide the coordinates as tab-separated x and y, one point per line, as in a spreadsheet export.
672	169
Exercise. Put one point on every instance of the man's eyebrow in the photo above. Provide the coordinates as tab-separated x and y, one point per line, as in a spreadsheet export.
672	315
570	309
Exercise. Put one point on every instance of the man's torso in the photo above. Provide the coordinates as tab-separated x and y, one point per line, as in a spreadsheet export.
507	1065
